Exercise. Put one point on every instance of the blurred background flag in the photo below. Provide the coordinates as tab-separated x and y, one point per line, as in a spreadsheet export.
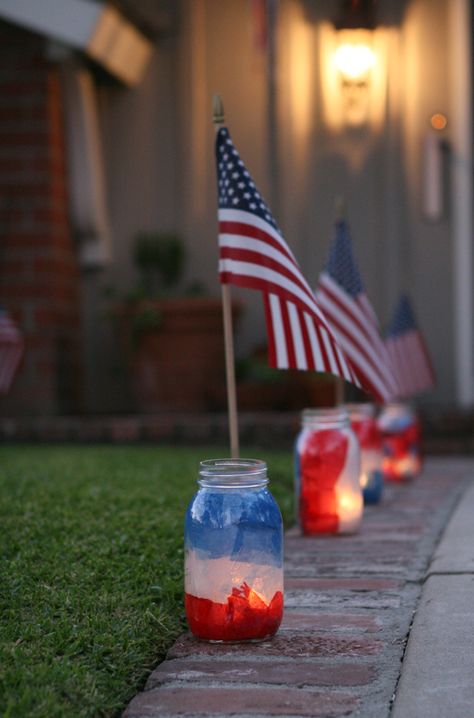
253	254
11	351
341	296
407	349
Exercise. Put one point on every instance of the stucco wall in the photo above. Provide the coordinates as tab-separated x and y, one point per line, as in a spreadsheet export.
160	164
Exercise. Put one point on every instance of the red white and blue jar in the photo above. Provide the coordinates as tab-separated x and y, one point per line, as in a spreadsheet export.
364	425
233	554
401	435
327	466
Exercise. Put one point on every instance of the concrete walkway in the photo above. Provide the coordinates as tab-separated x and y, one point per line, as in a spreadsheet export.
438	669
349	605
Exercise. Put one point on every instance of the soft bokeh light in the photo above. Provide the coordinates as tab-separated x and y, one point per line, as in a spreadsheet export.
354	84
354	61
438	121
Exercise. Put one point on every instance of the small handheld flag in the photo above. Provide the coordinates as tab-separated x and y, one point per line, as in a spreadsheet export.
343	299
11	351
253	254
408	353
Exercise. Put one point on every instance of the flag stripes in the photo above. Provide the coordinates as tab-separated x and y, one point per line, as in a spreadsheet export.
253	254
342	298
408	352
358	337
297	341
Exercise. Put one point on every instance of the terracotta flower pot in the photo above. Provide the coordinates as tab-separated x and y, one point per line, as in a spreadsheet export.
178	364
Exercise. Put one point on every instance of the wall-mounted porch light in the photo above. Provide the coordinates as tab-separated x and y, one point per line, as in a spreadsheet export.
355	57
354	54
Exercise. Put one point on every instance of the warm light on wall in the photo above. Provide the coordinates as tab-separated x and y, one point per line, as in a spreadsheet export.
353	67
350	98
354	57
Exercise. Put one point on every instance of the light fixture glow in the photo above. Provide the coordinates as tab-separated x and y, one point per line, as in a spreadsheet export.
354	61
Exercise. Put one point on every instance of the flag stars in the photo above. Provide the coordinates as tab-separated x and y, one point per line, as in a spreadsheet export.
237	189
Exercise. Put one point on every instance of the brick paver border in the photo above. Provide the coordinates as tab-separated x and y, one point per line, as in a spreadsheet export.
349	602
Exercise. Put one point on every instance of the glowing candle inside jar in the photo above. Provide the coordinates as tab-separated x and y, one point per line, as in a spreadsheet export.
402	442
233	576
408	465
350	508
327	467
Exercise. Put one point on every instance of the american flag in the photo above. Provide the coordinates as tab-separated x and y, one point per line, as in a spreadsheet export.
253	254
342	297
11	351
407	350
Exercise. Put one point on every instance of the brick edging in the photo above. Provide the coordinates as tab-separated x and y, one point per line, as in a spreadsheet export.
349	604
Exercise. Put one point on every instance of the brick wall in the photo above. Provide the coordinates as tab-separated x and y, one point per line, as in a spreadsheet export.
39	279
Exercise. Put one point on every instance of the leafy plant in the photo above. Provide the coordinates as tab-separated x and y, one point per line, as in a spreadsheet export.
160	259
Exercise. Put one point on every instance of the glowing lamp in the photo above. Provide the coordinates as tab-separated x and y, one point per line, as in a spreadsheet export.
365	427
354	57
401	436
353	75
327	466
233	554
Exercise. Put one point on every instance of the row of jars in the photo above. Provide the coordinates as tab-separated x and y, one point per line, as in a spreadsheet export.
342	457
233	526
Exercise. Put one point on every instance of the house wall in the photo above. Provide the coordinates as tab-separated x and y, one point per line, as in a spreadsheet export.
428	245
160	165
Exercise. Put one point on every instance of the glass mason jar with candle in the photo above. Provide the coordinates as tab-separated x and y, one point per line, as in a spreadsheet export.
233	553
327	466
401	436
364	425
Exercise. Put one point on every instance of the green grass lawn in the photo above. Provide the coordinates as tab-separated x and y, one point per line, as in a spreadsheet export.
91	570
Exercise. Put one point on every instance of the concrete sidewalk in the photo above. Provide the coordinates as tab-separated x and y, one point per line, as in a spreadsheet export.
438	669
349	604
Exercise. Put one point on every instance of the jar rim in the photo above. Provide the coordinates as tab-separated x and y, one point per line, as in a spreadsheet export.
398	406
233	473
365	408
334	415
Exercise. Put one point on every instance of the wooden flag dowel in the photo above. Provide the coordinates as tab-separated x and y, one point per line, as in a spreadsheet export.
230	372
218	119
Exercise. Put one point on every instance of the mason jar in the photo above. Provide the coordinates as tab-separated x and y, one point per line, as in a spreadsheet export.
365	427
401	435
233	554
327	465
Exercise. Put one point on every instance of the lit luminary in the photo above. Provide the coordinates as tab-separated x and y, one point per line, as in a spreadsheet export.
327	465
234	554
401	434
365	427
